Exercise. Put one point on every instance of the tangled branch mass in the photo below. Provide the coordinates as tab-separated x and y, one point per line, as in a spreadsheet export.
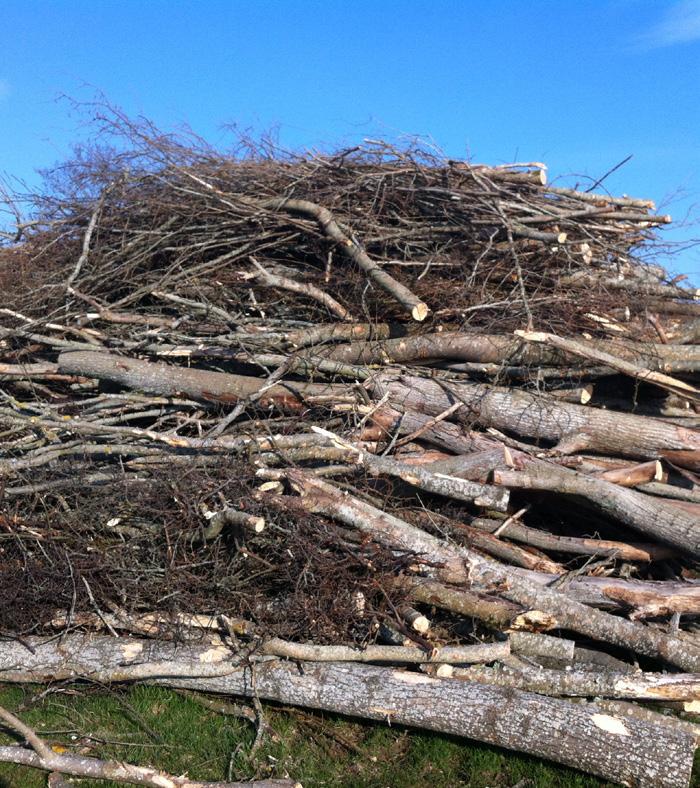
427	427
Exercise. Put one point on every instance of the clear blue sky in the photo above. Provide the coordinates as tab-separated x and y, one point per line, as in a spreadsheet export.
579	85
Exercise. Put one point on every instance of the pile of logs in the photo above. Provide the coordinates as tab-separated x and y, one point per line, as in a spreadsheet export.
396	437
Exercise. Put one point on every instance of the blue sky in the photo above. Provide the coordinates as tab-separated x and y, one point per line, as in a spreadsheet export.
579	85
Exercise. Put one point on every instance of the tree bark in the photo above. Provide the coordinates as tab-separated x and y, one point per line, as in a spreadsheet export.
653	516
499	349
587	683
198	383
572	427
417	309
624	749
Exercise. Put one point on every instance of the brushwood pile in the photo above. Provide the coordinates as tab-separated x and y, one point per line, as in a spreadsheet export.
378	413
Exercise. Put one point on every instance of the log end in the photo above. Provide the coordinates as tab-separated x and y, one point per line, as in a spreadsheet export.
420	312
258	524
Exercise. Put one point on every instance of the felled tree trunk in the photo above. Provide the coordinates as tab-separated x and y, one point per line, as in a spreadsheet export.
571	427
499	349
198	383
620	748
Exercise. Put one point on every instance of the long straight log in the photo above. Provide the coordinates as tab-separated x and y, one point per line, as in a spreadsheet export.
572	427
587	683
499	349
481	652
198	383
615	747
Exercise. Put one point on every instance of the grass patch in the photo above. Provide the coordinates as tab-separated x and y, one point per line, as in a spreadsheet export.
158	727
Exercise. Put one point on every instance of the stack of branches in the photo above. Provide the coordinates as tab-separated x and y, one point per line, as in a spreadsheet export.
425	427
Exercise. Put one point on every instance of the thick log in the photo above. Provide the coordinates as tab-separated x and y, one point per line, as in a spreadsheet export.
499	349
624	750
653	516
587	683
615	747
198	383
628	708
572	427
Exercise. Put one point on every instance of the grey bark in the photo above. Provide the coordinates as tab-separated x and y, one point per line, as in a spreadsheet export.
587	683
198	383
499	349
572	427
652	516
623	749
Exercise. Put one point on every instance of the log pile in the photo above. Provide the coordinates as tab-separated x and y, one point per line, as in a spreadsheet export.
425	427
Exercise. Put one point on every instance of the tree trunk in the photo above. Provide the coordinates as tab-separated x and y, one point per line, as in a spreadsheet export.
620	748
572	427
198	383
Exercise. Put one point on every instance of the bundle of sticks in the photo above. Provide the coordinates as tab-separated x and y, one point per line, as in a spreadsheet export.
426	427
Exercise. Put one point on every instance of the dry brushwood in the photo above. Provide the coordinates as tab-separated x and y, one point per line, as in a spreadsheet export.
379	412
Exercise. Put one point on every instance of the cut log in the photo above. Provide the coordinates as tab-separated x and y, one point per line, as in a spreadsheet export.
417	308
652	516
627	551
198	383
666	382
624	749
587	683
486	496
499	349
572	427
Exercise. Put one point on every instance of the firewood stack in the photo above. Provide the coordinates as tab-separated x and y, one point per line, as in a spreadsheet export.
426	427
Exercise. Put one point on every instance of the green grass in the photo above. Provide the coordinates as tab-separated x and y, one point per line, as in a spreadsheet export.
157	727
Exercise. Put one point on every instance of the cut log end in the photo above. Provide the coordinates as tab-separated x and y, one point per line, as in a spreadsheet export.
420	312
257	524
